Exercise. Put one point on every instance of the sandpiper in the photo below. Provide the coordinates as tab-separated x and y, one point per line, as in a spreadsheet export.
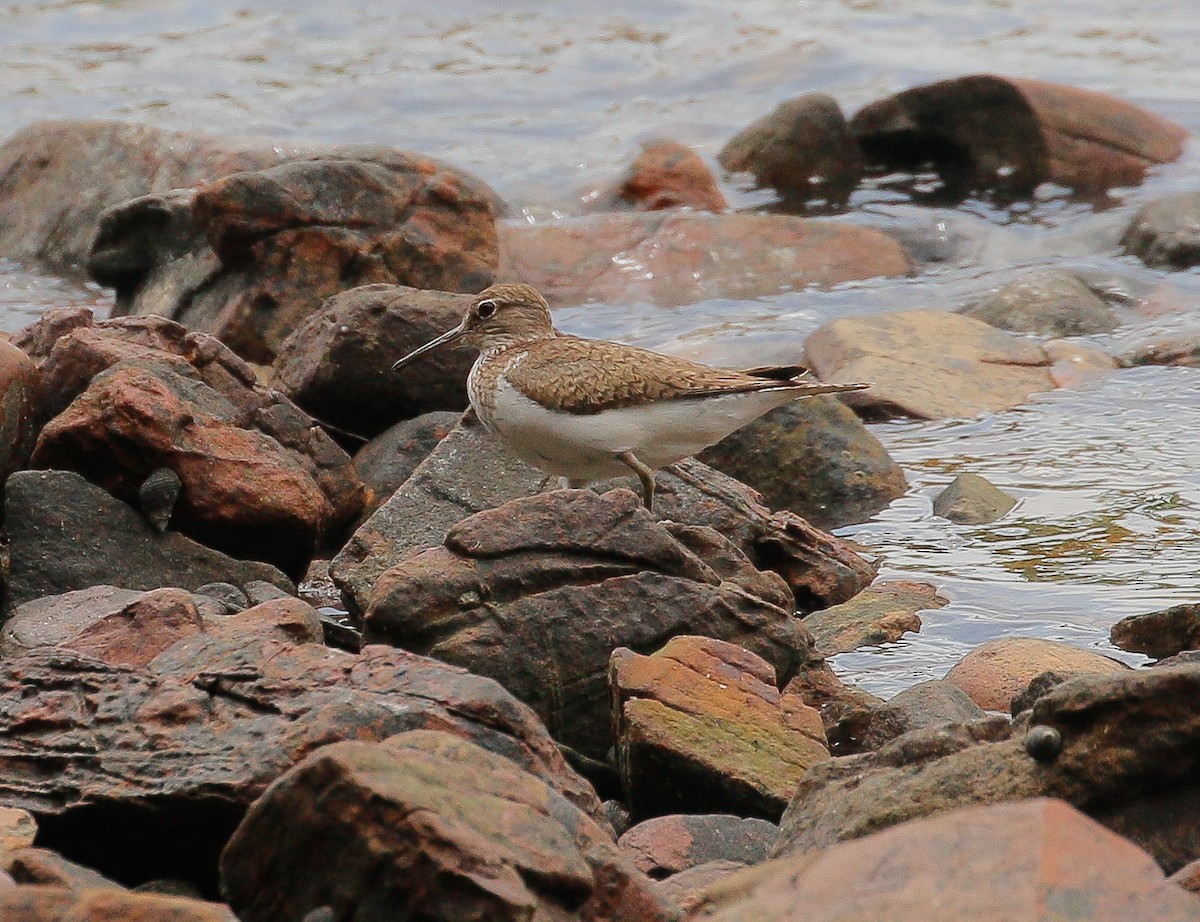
586	409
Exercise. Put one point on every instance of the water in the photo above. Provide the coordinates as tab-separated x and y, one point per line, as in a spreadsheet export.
547	104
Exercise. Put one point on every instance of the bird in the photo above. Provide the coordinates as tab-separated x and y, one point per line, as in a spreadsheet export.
589	409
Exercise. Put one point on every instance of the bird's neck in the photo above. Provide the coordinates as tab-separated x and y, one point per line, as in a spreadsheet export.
502	342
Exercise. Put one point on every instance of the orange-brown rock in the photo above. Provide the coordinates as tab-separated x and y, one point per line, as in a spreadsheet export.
928	364
1010	134
17	828
1161	633
666	845
702	727
995	671
673	258
20	396
668	174
1039	859
884	612
426	825
52	904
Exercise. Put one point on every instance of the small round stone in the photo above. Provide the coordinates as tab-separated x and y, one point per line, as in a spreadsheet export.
226	593
1043	743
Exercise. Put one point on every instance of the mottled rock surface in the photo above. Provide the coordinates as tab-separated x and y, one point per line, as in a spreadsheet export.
667	845
52	904
971	499
666	174
936	703
1161	633
1049	302
389	459
1166	232
881	613
20	397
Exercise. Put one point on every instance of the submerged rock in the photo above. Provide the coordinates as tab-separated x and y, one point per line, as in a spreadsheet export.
666	174
1166	232
1049	302
881	613
971	499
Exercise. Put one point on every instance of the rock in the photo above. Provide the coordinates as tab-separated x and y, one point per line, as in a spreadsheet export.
928	364
1128	758
838	702
538	592
45	868
389	459
1049	302
1188	876
666	845
1159	634
1010	135
19	405
250	255
18	829
971	499
688	889
880	614
701	726
1176	350
667	174
1041	684
1074	364
50	904
58	176
925	705
231	598
425	825
992	673
803	150
338	363
471	471
673	258
815	458
1040	859
114	625
66	534
1166	232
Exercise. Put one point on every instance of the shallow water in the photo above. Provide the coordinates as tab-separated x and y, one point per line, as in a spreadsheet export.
548	104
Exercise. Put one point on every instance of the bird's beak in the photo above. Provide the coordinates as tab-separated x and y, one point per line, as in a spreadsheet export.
448	337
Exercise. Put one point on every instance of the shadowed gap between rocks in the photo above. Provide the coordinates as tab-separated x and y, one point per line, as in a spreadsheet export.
157	839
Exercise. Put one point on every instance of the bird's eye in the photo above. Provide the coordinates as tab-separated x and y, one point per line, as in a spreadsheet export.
485	309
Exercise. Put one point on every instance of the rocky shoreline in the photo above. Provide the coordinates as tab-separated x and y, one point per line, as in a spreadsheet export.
493	698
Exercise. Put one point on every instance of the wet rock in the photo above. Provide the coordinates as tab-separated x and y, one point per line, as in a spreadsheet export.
1074	364
1176	350
926	705
667	845
1049	302
992	673
928	364
249	256
19	409
470	472
815	458
18	829
1010	135
1038	859
51	904
538	592
1129	757
338	363
66	534
803	150
678	258
1159	634
879	614
389	459
1166	232
971	499
701	726
58	176
667	174
430	826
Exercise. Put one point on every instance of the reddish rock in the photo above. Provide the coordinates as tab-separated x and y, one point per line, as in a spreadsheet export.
882	613
19	411
538	592
1181	350
1166	232
1008	134
803	150
338	363
1074	364
471	471
51	904
667	174
815	458
928	364
667	845
1159	634
681	258
43	867
995	671
838	702
1040	859
1188	877
688	889
429	826
17	829
701	726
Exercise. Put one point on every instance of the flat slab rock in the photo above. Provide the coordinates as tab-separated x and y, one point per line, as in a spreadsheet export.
928	364
426	825
471	471
1161	633
54	904
538	592
1015	862
702	726
881	613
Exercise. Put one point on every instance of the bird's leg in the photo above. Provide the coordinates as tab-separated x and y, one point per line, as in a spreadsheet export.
645	475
